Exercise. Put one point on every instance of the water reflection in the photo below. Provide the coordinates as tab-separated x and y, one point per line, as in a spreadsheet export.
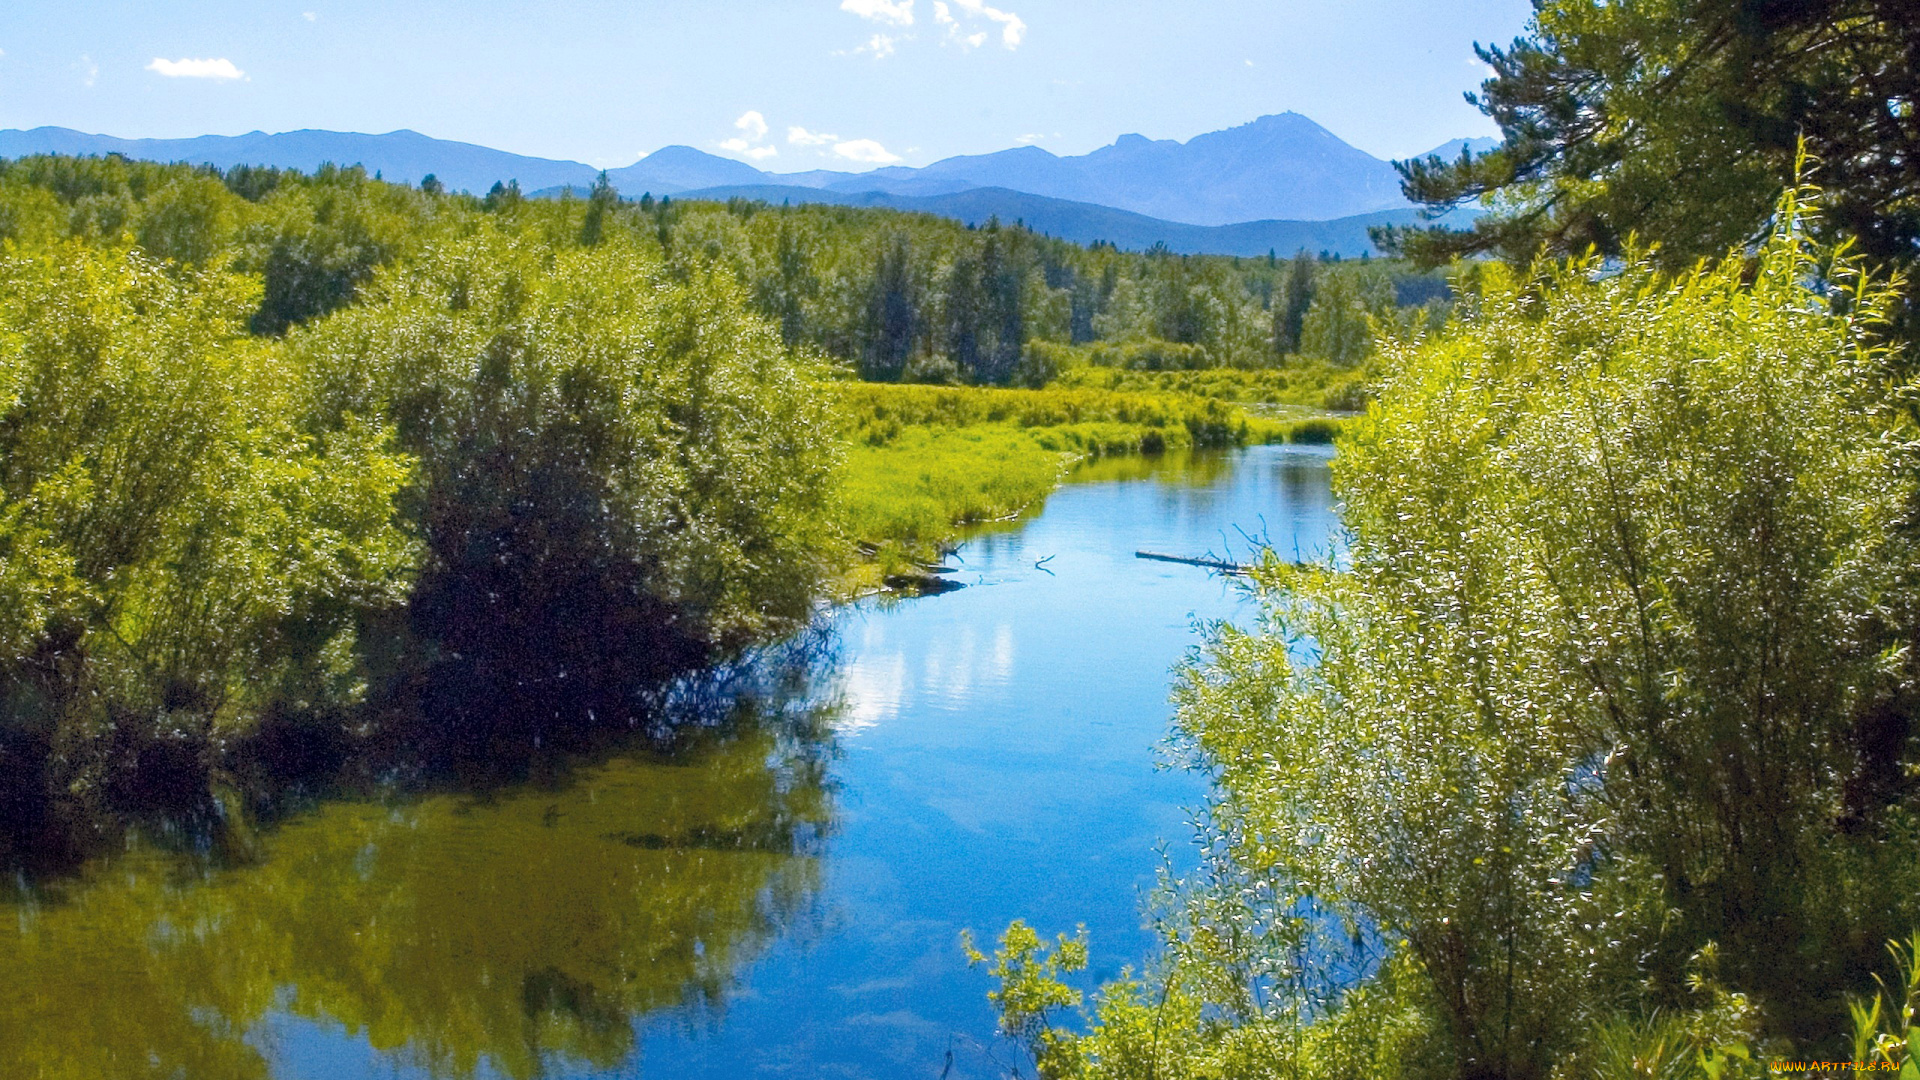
462	935
1004	766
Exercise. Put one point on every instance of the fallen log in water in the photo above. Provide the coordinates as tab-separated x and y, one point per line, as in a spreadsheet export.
1211	564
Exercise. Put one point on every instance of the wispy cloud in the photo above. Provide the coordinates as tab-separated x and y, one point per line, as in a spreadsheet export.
1013	29
800	136
866	151
89	71
892	12
880	45
196	69
309	16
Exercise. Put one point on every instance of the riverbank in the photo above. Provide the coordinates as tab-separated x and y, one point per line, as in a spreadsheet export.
927	462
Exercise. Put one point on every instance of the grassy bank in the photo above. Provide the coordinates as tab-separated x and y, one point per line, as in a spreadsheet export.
1304	383
926	461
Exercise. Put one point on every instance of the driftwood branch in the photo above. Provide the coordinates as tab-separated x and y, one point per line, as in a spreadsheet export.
1211	564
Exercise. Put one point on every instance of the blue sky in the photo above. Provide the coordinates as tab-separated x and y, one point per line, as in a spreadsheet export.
787	84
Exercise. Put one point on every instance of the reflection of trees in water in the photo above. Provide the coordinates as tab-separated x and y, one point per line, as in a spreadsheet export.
1192	468
512	927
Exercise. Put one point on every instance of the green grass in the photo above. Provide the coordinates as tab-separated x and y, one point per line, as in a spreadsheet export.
1089	420
928	461
908	496
1310	384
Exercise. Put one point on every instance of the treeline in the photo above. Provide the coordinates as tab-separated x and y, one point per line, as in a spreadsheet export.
897	297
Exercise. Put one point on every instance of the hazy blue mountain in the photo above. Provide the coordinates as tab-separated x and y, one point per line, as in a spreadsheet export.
1283	167
399	155
1084	223
1449	150
674	169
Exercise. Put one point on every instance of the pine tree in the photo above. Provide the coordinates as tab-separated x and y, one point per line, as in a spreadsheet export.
1291	304
601	201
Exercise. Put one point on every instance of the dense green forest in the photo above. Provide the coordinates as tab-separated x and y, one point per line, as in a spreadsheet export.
895	296
1599	755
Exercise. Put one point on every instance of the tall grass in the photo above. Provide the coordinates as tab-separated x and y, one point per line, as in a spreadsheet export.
908	496
926	461
1313	384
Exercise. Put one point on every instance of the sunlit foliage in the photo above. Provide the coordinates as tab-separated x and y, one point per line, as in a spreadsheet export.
175	550
1606	722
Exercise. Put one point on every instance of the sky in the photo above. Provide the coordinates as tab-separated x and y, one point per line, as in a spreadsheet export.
786	84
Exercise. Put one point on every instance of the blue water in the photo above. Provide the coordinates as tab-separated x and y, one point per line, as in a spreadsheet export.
1000	752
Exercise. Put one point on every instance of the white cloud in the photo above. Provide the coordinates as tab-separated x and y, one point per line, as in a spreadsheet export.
892	12
881	46
1029	140
1012	28
752	125
196	69
865	150
800	136
747	148
309	16
753	128
89	71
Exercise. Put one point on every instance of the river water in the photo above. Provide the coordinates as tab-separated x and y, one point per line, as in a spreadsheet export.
780	896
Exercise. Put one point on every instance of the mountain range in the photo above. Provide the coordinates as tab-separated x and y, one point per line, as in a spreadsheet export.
1245	188
1087	223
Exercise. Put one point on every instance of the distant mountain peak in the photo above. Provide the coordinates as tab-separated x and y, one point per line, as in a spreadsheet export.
1450	150
682	152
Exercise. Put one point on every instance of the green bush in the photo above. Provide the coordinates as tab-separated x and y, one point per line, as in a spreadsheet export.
175	553
586	416
1619	677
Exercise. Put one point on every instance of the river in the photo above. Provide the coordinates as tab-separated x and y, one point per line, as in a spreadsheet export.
781	895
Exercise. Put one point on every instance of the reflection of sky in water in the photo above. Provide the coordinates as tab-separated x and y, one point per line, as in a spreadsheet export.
879	678
999	761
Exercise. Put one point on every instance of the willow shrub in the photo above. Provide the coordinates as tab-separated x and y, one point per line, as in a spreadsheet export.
621	469
1612	707
175	554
